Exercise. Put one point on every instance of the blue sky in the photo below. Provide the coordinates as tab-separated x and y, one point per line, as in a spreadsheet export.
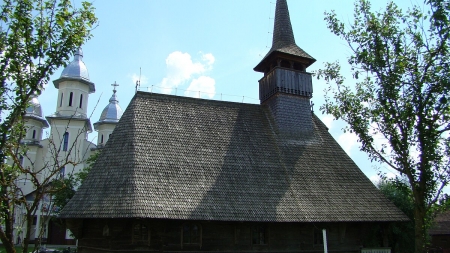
206	45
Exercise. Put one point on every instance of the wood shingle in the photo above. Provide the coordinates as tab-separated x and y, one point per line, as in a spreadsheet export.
193	159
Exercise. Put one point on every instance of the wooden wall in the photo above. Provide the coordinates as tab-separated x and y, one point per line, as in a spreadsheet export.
146	235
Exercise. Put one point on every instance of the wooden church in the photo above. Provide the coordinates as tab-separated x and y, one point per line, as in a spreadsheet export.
183	174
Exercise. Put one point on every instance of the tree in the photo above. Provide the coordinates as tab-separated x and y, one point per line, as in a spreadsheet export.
65	188
401	234
36	38
399	104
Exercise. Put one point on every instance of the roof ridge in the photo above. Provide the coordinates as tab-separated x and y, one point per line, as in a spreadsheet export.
170	96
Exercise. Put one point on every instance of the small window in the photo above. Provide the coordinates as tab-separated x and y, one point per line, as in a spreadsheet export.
70	98
318	237
35	220
101	141
21	160
34	134
62	172
62	96
191	233
81	101
65	141
141	234
259	234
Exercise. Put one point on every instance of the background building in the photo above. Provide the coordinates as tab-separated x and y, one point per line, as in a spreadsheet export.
67	141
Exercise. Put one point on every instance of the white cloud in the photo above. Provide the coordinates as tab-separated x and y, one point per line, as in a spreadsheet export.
327	120
347	141
203	86
375	179
181	68
209	59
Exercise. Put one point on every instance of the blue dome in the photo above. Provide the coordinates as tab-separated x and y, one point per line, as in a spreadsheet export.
34	111
76	69
112	112
35	108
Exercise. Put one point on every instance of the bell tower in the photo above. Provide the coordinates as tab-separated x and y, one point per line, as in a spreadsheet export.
70	124
286	87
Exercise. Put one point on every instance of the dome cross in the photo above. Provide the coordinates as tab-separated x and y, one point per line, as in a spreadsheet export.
115	84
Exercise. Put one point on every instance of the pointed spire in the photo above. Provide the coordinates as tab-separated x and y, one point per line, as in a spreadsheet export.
282	29
78	54
283	42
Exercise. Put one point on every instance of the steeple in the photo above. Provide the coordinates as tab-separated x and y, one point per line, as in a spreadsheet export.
108	119
76	71
34	122
283	43
286	87
282	31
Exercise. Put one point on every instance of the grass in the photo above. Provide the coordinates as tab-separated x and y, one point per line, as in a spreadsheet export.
2	249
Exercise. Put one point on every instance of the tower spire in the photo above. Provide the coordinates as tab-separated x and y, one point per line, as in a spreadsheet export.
283	42
282	29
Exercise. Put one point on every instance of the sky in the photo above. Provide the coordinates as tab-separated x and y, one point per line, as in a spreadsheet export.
208	49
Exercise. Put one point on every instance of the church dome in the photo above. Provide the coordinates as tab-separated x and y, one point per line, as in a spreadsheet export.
35	108
76	69
112	111
34	111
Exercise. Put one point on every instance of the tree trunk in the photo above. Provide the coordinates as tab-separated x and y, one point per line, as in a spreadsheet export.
6	236
28	233
8	244
419	219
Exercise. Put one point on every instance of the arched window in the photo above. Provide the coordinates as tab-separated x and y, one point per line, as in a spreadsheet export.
34	134
62	96
62	172
65	141
81	101
101	139
191	233
70	98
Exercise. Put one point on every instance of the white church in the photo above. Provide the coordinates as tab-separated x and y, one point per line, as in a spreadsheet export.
66	148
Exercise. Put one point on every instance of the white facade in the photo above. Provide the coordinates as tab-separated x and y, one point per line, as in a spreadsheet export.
67	147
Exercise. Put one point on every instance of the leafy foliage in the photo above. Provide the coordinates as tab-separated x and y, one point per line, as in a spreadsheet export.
399	106
65	188
36	38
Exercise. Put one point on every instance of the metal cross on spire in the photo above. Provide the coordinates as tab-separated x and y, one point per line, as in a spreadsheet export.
115	84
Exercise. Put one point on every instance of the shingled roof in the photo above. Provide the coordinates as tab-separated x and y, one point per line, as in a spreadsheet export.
441	224
186	158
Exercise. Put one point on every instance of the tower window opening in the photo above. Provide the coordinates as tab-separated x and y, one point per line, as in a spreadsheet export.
102	139
34	134
285	64
62	96
65	141
21	160
70	98
81	101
